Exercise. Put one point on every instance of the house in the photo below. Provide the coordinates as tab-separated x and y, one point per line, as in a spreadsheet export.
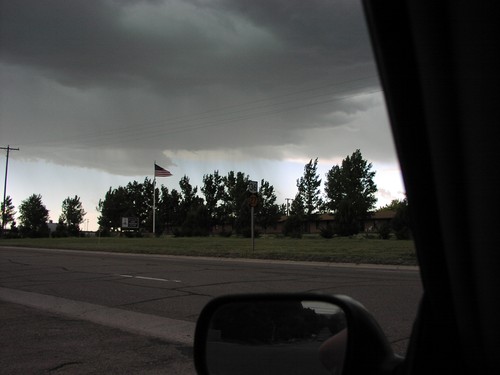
378	219
372	224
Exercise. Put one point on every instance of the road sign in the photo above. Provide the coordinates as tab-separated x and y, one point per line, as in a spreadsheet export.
253	186
130	222
253	200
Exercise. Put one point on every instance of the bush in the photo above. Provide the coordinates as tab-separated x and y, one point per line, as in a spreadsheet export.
132	234
326	231
197	223
403	234
384	232
103	233
223	233
401	222
247	232
293	227
346	223
27	233
10	234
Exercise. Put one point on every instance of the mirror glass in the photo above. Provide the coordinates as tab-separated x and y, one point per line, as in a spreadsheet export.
276	337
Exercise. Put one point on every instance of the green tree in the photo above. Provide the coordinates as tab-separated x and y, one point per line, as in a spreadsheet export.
171	212
185	211
297	207
167	208
176	210
309	192
112	208
393	206
401	221
267	211
294	225
197	222
346	223
213	190
72	215
235	207
350	191
140	201
61	229
8	212
33	216
190	199
133	200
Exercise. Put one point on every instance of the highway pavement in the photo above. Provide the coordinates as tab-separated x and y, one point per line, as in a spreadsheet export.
158	298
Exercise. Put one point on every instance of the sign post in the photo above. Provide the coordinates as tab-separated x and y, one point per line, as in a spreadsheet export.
252	202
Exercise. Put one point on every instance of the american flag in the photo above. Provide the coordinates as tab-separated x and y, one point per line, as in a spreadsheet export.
161	172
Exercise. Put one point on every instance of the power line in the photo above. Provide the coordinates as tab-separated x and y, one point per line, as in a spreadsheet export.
218	116
120	139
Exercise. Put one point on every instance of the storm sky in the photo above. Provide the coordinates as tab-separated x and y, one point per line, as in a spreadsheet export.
102	88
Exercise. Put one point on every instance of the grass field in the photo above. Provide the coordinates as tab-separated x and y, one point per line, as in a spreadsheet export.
310	248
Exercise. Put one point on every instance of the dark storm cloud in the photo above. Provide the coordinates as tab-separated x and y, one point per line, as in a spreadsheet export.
63	38
180	75
84	43
198	43
102	43
328	28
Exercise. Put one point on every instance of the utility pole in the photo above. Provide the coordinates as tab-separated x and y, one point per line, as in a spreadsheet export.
8	148
288	206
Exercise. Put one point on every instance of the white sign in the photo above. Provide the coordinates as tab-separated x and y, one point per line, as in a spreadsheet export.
130	222
253	186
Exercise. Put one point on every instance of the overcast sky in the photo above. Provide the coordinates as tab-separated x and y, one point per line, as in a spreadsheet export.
92	92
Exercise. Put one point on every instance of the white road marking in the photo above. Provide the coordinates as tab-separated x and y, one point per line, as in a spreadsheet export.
150	278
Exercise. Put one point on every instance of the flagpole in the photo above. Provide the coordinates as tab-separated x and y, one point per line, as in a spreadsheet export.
154	197
160	172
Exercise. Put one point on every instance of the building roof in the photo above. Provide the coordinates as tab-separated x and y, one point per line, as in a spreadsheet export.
384	214
379	215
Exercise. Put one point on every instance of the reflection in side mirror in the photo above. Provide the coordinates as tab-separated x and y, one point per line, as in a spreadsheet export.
282	336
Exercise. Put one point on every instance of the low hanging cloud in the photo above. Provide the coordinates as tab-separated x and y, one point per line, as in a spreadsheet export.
98	83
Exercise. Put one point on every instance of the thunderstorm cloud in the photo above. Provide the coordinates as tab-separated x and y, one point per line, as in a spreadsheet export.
110	84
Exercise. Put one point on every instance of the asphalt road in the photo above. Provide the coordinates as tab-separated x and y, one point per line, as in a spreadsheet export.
35	342
176	288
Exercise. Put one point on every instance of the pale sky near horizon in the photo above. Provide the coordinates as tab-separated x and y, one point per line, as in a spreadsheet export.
92	92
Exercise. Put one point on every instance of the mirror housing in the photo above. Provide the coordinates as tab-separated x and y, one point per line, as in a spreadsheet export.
367	350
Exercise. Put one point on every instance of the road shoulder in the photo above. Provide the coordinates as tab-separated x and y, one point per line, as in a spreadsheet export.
38	342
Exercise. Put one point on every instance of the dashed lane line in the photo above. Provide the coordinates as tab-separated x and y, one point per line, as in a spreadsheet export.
150	278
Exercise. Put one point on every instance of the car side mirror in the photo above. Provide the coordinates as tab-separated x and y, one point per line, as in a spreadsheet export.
289	334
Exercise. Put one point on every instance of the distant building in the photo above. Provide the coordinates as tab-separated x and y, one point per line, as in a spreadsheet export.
372	224
378	219
52	226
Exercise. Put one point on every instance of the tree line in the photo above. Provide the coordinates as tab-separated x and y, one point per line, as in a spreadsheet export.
183	212
221	202
34	217
349	193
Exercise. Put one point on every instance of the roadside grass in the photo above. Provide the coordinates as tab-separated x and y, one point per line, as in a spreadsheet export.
358	249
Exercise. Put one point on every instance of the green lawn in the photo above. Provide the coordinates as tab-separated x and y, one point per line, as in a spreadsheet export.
310	248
